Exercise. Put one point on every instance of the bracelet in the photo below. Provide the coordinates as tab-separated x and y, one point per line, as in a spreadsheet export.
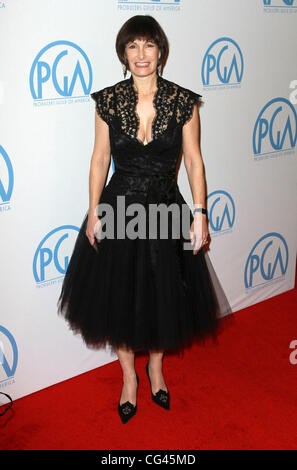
199	209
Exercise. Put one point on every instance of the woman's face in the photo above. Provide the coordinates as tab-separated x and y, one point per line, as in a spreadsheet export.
142	56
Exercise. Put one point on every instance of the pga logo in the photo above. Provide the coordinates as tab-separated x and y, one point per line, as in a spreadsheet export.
268	260
278	3
60	70
275	129
52	255
221	212
8	354
222	63
6	178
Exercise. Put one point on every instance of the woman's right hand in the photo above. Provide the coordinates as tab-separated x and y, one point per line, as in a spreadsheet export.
93	226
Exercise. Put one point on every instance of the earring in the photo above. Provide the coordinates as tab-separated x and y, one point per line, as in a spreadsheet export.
125	68
160	65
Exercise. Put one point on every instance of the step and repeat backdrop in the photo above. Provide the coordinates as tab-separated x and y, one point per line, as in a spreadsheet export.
240	55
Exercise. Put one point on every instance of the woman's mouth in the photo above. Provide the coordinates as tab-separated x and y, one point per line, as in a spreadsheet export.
142	64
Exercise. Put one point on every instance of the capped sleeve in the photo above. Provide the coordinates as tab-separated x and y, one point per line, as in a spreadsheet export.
104	103
188	99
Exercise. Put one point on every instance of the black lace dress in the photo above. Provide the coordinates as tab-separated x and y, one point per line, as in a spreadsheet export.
142	293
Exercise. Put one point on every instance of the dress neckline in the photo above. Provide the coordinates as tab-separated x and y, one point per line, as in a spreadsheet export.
135	102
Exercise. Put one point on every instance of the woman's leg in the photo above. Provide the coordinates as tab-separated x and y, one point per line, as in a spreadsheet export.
155	371
126	358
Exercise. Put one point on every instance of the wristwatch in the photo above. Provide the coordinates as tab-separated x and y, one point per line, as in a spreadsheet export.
199	209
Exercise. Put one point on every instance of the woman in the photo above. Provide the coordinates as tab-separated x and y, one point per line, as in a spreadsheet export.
143	293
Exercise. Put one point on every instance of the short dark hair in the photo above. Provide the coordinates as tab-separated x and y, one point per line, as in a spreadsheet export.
142	27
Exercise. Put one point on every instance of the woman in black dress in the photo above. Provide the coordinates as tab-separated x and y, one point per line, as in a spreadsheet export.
143	293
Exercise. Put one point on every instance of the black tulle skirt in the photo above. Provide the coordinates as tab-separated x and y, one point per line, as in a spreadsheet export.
112	297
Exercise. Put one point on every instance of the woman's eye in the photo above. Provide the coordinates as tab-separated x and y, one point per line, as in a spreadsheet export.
132	46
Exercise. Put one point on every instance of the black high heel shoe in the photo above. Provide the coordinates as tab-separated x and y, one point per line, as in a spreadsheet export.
161	397
127	410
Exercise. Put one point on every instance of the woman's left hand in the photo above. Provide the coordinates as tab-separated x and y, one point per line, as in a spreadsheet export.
198	232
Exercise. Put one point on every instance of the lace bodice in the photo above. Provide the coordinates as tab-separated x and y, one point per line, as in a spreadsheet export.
116	105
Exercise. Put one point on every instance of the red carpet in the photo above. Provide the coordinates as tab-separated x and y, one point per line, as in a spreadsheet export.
237	394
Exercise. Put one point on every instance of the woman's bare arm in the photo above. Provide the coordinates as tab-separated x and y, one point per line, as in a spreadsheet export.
98	171
99	163
193	159
195	170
